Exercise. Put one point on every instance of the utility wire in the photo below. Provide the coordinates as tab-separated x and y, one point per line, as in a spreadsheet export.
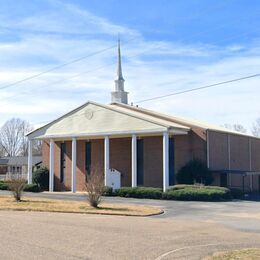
198	88
98	68
60	66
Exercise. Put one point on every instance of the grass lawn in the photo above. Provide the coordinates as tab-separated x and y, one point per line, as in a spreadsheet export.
245	254
68	206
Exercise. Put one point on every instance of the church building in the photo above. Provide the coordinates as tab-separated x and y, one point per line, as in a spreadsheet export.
134	146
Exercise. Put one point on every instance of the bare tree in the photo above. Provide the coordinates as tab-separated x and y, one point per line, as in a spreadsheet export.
16	185
12	137
37	147
95	186
237	127
256	128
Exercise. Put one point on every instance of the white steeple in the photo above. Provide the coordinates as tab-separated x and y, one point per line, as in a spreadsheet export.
119	95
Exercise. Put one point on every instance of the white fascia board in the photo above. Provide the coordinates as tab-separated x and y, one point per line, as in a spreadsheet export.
114	133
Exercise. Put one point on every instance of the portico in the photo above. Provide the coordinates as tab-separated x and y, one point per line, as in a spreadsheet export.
125	145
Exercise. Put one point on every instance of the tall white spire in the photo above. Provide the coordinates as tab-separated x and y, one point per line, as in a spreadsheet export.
119	95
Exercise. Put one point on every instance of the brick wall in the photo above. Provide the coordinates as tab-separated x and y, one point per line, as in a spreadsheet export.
153	161
120	158
218	151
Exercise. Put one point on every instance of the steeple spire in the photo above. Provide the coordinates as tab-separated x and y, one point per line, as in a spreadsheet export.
119	66
119	95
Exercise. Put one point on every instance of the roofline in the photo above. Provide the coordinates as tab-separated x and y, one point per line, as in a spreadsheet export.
233	133
107	107
178	121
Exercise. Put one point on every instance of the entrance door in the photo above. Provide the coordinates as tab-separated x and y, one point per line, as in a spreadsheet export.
171	161
140	162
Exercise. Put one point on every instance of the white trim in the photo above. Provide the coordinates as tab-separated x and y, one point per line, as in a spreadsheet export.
51	179
106	159
73	164
29	173
134	161
165	161
114	133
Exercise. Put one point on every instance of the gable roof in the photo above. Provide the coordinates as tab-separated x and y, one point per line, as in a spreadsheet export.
19	160
92	119
179	120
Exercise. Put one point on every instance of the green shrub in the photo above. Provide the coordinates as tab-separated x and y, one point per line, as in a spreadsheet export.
3	186
108	191
237	193
196	193
184	186
140	192
194	171
32	188
41	178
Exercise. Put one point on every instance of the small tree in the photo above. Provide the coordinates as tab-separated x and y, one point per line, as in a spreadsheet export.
16	185
95	187
256	128
41	178
194	171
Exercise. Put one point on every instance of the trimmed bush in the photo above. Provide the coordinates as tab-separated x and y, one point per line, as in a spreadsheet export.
184	186
196	193
140	192
108	191
32	188
41	178
194	171
3	186
237	193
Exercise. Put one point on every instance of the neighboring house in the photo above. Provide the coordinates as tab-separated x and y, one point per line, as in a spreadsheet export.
3	168
18	165
140	147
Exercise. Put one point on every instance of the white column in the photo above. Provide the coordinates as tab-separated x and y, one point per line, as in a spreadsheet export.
165	161
73	165
134	162
29	173
51	180
106	159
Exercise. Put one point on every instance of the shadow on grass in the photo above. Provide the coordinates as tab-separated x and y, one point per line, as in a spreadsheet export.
35	201
103	208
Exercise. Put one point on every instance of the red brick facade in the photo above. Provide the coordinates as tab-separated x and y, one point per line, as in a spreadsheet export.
186	147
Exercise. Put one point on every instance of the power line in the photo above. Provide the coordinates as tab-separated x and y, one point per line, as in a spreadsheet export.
57	67
98	68
101	67
61	66
198	88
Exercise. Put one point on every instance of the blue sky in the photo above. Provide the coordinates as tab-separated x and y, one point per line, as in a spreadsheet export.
167	46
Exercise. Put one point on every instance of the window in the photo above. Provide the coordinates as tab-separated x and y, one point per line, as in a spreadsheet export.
171	161
62	161
88	157
140	162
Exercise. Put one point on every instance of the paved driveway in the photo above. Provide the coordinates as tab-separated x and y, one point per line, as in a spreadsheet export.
188	230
